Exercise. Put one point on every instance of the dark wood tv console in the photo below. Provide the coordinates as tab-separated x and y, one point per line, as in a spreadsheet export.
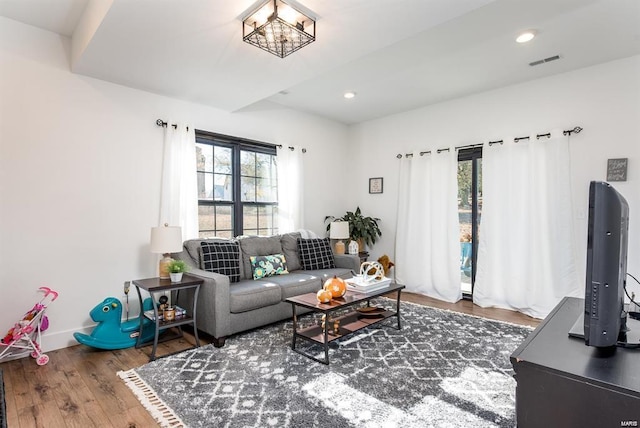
561	382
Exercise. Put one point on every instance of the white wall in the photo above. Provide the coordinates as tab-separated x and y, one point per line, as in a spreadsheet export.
603	99
80	165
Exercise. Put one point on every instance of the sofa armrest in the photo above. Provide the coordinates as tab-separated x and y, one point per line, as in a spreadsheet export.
348	261
213	307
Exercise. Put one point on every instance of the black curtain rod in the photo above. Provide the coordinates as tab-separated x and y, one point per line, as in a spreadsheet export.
575	130
162	123
291	148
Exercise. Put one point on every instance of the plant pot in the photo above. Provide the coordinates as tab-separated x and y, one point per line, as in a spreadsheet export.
176	277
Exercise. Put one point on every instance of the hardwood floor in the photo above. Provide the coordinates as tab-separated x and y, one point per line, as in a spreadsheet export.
79	386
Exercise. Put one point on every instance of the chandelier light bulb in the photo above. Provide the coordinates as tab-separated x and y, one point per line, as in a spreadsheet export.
288	14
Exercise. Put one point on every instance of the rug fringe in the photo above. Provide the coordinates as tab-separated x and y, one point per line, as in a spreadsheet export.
162	413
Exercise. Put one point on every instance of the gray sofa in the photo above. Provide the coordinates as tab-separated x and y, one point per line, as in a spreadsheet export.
225	308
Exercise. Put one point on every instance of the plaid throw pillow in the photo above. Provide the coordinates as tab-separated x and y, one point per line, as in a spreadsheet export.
316	254
222	258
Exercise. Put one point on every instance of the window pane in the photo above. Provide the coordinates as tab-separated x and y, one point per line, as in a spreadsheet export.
223	189
206	219
205	185
224	217
222	160
204	157
274	208
263	165
247	163
465	197
264	191
248	189
207	234
225	234
274	175
249	218
265	219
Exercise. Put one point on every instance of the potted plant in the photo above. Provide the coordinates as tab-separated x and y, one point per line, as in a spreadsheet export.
364	230
176	269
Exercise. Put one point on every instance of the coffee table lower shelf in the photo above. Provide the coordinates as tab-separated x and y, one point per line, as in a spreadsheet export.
347	324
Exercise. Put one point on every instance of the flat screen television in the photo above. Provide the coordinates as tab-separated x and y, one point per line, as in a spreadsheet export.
604	312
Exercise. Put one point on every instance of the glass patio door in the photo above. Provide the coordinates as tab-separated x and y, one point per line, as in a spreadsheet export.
469	213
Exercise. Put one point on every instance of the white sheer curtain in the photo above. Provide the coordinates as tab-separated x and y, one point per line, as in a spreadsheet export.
427	240
179	194
290	179
526	251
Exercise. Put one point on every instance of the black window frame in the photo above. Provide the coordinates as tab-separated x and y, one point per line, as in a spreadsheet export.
237	145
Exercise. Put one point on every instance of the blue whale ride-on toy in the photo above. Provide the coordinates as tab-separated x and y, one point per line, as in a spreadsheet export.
113	333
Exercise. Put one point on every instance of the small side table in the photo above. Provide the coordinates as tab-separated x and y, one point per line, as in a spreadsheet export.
157	285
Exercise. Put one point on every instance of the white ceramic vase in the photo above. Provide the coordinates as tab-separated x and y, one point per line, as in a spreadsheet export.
353	247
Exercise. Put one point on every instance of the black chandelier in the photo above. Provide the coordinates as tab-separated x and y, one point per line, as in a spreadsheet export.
278	28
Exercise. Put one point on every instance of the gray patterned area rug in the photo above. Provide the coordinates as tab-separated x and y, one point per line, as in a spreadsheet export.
443	369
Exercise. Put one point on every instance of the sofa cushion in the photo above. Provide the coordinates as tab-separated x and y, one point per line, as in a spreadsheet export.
290	250
316	254
257	246
325	274
295	283
247	295
265	266
222	258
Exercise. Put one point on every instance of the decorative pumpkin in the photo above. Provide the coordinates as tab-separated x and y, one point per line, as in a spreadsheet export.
324	296
336	286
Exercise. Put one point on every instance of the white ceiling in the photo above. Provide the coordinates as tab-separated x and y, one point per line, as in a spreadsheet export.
395	54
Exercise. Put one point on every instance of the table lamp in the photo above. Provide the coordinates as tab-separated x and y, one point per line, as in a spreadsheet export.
339	230
165	240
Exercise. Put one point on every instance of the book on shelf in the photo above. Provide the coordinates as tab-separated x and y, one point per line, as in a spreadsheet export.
180	312
357	284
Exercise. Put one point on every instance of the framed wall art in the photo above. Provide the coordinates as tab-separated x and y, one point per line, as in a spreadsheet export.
617	169
375	185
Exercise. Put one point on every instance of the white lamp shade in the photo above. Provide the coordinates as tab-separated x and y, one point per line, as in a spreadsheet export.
166	239
339	230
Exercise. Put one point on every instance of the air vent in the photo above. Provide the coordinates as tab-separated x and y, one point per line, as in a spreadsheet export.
542	61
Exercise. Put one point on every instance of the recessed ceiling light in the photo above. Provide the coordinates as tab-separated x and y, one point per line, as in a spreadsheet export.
349	95
525	37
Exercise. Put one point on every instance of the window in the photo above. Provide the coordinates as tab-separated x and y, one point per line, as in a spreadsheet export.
469	214
237	186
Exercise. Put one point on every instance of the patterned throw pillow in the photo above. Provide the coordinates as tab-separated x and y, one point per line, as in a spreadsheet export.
222	258
264	266
316	254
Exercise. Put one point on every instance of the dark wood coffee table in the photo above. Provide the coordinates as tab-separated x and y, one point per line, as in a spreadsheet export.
348	323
